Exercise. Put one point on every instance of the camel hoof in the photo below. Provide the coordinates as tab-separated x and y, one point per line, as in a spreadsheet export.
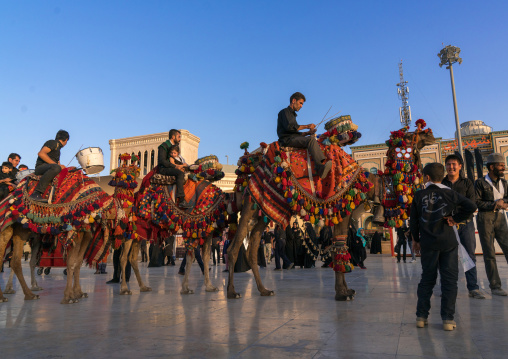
36	288
32	297
267	293
9	291
3	300
67	301
188	291
145	289
125	292
82	295
212	289
234	295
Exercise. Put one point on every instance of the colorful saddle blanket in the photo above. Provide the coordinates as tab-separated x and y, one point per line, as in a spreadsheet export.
281	185
76	201
156	207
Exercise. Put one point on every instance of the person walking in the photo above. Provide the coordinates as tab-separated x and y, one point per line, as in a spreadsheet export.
280	250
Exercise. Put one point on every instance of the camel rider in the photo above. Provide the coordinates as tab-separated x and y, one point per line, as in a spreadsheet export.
169	169
48	164
289	135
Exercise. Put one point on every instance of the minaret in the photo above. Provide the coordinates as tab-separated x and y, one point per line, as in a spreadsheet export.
403	91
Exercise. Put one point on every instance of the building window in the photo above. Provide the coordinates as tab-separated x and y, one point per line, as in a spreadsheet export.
152	160
139	158
373	170
132	157
145	161
119	161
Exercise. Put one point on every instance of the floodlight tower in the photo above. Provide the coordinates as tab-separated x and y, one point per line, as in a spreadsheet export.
450	55
403	91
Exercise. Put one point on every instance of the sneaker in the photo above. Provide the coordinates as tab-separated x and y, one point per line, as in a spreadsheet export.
113	281
278	269
181	272
413	260
363	267
421	322
324	169
499	291
36	196
449	325
291	265
226	270
476	294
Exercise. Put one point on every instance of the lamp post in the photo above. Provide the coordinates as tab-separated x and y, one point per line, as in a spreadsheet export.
450	55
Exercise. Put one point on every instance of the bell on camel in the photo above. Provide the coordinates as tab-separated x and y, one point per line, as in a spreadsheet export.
379	214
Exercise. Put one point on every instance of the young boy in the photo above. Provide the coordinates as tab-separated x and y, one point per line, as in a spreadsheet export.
5	179
434	212
48	164
174	159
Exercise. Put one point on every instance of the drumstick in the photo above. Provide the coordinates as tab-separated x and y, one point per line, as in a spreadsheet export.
328	118
72	159
325	115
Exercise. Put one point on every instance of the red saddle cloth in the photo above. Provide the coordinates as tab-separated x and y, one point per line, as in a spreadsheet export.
271	181
343	168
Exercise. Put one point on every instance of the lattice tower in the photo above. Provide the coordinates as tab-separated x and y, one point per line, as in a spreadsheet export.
403	91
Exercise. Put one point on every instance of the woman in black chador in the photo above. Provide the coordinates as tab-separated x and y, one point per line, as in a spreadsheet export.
356	244
311	248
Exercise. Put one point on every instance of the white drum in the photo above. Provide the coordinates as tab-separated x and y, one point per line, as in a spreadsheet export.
91	159
22	174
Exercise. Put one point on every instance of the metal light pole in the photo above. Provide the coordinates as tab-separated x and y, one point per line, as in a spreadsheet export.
450	55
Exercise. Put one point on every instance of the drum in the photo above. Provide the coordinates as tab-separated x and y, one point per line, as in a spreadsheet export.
91	159
341	123
208	162
22	174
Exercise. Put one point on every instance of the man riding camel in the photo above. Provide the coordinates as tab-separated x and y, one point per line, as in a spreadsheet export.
289	135
167	168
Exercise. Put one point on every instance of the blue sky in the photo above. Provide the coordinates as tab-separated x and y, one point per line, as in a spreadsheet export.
223	69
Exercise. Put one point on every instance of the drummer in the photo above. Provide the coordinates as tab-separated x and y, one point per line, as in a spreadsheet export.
48	164
176	169
289	135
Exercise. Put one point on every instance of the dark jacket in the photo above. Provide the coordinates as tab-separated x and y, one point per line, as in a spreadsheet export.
463	186
485	194
428	210
286	125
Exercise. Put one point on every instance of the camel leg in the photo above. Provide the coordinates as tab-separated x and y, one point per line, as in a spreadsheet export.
5	237
206	262
124	288
133	259
247	213
252	256
72	260
341	290
36	247
19	239
77	292
185	283
9	289
350	292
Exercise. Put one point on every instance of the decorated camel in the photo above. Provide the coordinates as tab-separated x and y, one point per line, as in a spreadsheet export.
277	183
157	215
75	218
124	227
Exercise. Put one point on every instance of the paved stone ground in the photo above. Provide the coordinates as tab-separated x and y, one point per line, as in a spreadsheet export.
301	321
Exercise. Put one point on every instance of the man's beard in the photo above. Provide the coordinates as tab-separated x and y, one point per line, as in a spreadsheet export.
498	173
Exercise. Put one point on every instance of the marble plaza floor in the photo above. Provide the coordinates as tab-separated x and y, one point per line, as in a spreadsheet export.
302	320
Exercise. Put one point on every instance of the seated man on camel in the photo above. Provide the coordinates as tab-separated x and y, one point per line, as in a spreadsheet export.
48	164
169	167
289	135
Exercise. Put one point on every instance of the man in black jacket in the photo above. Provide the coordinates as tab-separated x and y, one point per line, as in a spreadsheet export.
434	212
280	249
492	201
289	135
464	186
167	168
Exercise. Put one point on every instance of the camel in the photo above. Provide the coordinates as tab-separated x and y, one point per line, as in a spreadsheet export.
158	215
251	211
19	209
